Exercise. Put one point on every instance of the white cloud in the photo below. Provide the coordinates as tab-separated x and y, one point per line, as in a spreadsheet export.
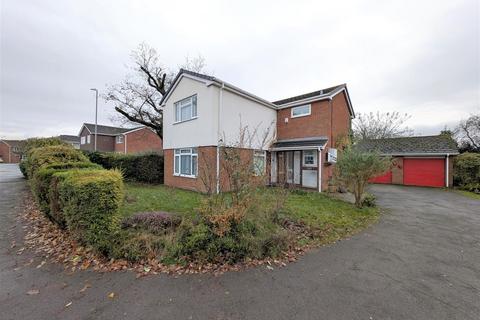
420	57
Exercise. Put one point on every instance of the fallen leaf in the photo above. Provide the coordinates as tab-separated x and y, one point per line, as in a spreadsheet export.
41	264
269	268
33	291
85	287
68	304
111	295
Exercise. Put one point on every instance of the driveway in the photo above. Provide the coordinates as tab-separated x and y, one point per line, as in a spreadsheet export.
421	261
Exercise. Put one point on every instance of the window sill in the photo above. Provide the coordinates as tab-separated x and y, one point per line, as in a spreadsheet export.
299	116
185	120
185	176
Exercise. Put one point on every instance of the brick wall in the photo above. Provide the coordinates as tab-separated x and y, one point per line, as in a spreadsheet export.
142	140
397	170
206	171
207	162
4	152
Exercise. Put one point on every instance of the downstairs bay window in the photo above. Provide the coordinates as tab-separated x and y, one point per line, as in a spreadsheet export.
185	162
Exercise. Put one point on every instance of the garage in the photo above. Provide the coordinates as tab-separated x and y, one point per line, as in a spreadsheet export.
424	161
424	172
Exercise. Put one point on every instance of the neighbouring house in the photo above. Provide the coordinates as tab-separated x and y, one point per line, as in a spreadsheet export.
11	151
417	161
121	140
70	139
203	113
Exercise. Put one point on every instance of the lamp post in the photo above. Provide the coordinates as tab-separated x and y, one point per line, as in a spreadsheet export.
96	112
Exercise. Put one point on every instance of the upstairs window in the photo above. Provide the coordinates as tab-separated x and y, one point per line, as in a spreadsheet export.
185	162
186	109
301	111
82	140
88	138
119	139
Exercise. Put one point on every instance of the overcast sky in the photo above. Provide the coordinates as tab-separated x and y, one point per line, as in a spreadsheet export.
418	57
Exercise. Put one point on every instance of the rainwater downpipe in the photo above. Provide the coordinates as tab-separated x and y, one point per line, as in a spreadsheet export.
446	176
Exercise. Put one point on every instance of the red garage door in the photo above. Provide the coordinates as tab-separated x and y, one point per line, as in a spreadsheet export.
385	178
424	172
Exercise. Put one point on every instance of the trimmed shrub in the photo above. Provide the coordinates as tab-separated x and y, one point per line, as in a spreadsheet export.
33	143
154	222
146	167
90	200
23	168
39	157
467	171
41	187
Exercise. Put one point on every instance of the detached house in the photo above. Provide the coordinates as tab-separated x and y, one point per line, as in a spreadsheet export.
121	140
203	113
11	151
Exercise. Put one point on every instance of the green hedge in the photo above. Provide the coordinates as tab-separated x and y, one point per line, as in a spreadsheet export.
34	143
41	185
146	167
90	201
40	157
467	171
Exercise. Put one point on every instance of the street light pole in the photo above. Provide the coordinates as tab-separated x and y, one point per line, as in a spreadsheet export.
96	113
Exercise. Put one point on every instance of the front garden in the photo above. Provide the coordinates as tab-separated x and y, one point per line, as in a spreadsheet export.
139	223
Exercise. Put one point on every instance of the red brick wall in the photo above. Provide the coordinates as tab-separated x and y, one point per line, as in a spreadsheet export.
4	152
142	140
316	124
206	171
207	163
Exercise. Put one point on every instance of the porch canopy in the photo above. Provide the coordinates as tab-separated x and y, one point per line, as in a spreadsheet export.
311	143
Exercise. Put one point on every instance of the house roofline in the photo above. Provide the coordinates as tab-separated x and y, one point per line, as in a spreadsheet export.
422	154
208	81
136	129
327	96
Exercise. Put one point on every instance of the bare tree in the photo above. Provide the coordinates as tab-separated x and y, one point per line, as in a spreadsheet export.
468	133
137	98
381	125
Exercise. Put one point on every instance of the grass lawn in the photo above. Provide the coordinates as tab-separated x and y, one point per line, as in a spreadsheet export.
317	210
469	194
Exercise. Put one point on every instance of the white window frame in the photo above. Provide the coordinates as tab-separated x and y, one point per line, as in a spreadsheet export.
309	112
82	140
184	103
315	158
119	139
177	162
89	139
263	155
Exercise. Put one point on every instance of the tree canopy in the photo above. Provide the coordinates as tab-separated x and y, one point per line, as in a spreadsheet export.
137	97
381	125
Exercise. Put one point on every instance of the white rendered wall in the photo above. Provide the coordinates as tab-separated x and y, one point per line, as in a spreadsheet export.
237	111
201	131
